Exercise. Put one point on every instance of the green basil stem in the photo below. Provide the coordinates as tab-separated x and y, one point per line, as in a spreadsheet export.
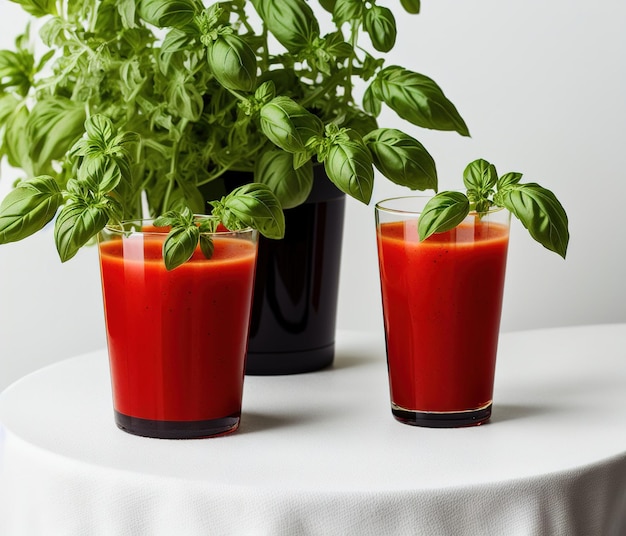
173	167
236	94
265	58
354	31
170	182
229	166
243	18
323	89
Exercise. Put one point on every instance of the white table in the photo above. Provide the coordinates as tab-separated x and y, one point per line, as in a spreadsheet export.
321	454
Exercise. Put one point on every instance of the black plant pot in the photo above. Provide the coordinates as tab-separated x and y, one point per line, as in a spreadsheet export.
294	311
297	280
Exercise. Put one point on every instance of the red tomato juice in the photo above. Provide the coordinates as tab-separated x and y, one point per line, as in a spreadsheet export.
442	300
177	340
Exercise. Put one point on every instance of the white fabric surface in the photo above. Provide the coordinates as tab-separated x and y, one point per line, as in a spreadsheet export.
321	454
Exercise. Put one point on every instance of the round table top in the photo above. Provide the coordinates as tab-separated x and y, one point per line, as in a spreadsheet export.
320	453
559	404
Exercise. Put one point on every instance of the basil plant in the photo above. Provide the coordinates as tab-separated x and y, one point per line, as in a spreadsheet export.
141	103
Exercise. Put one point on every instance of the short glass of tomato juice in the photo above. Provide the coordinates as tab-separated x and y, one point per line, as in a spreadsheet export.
442	302
176	339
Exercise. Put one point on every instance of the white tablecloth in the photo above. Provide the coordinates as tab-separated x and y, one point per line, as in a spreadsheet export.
321	454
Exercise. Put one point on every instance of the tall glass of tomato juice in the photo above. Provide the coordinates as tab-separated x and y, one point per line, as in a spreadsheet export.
177	339
442	301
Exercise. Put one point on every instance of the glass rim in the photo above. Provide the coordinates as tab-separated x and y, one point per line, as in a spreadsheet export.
380	205
135	226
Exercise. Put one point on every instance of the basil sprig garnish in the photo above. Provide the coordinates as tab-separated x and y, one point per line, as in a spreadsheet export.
249	206
536	207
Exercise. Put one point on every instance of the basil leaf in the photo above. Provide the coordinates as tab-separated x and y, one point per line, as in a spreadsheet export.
291	186
102	141
265	92
380	25
349	165
419	100
411	6
8	104
540	212
300	159
289	125
328	5
479	178
52	32
100	131
187	101
371	99
442	213
16	145
184	235
207	224
193	197
38	8
254	205
28	208
370	66
232	62
52	128
105	157
336	47
347	10
167	219
76	224
16	70
480	175
402	159
291	22
284	80
361	122
207	246
161	13
127	10
99	174
179	245
100	127
508	179
175	40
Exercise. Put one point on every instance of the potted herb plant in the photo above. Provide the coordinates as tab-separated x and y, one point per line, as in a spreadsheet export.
194	100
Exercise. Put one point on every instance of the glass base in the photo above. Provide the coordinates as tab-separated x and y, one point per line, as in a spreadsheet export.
432	419
177	429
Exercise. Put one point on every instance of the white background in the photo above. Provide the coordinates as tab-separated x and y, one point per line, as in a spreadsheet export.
542	87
